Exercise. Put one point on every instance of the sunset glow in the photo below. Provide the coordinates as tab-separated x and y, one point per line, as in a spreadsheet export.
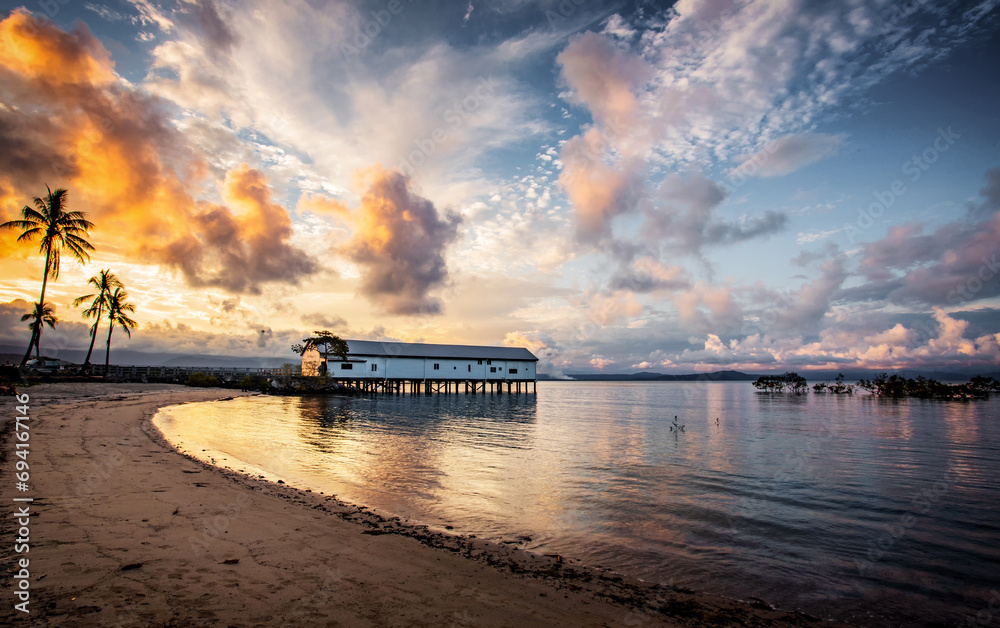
687	187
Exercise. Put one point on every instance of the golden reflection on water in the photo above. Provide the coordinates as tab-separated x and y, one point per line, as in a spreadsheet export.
782	488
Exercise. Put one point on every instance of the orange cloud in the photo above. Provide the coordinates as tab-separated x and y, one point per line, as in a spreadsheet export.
400	242
128	167
36	48
237	251
319	204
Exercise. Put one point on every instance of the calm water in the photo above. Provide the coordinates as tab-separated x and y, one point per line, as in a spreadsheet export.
847	507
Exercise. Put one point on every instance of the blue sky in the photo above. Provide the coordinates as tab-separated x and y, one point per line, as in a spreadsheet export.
618	187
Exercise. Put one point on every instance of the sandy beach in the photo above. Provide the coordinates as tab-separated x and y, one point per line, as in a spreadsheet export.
126	531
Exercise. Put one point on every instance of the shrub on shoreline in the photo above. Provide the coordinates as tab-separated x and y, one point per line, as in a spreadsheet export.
201	380
885	385
779	383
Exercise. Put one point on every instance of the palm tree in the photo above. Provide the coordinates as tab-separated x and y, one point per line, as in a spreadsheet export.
59	229
118	310
42	315
105	282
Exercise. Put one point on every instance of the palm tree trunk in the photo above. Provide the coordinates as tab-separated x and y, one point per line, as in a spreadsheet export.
107	353
36	333
31	343
93	336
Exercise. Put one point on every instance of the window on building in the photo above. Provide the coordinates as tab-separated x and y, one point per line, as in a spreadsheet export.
493	369
437	366
346	366
479	362
374	367
470	368
489	361
454	368
513	370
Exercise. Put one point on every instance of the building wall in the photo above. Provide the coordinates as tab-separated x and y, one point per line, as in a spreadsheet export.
311	359
424	368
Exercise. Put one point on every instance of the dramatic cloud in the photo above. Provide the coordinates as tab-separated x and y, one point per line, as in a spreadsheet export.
238	250
603	179
79	126
400	244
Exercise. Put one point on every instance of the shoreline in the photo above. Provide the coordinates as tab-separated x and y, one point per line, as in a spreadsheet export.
300	556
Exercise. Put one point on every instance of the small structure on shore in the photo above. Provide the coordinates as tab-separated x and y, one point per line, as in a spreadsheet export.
311	361
403	367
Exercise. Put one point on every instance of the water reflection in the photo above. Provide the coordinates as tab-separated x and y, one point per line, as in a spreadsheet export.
779	498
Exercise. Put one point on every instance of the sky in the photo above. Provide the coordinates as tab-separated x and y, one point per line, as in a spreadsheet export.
675	187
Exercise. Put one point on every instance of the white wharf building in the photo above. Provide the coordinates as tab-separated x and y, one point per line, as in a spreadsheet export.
417	367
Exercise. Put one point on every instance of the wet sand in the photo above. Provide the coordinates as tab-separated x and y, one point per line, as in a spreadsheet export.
126	531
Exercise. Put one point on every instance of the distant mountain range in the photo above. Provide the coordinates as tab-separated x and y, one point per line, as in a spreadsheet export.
645	376
850	376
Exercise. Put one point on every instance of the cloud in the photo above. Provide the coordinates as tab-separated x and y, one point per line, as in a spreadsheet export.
805	309
37	50
322	205
598	191
648	274
608	309
941	346
786	155
79	126
686	216
603	170
202	16
420	104
66	335
710	81
400	243
543	346
991	196
239	250
955	263
605	78
320	320
600	362
704	307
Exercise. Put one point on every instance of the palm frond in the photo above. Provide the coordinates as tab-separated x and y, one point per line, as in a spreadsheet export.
19	224
29	234
77	301
32	214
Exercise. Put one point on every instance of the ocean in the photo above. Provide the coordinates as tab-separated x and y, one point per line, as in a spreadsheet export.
873	511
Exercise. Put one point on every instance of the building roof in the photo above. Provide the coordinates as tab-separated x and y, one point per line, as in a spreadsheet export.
420	350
